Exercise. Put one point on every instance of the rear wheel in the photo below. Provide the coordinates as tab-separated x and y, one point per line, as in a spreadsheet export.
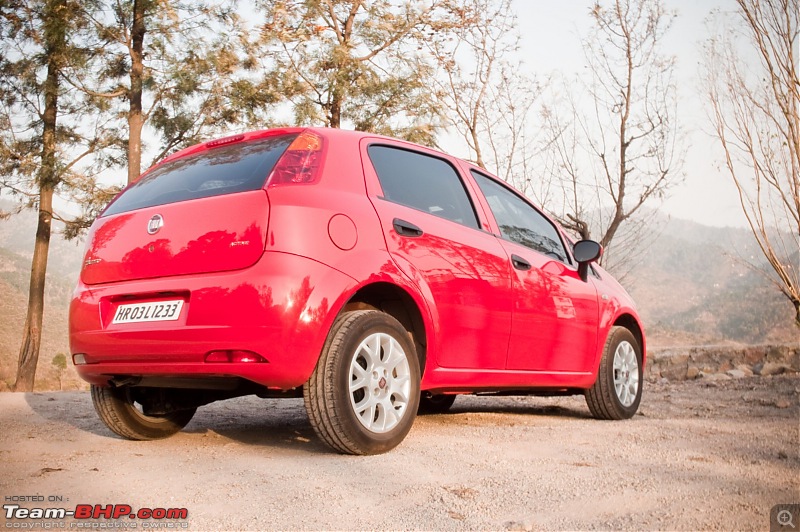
364	392
618	389
122	410
435	403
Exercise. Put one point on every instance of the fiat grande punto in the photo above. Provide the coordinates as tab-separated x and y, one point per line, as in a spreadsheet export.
372	277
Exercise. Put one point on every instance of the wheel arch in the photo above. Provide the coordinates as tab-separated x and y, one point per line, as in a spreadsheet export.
632	324
398	303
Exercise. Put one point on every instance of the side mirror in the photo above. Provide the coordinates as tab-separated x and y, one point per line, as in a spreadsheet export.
586	252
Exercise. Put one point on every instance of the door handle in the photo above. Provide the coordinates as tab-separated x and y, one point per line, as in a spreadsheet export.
404	228
520	263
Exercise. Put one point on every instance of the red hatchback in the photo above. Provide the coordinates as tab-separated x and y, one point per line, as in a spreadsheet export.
371	276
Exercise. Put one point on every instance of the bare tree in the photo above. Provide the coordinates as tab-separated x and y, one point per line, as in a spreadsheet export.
487	97
753	87
615	145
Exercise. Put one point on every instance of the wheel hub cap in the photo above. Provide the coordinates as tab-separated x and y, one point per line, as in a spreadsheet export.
626	373
380	382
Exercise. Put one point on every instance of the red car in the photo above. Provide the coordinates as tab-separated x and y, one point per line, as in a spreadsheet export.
371	276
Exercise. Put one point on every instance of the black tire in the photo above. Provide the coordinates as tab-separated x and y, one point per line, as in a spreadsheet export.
435	403
604	399
335	411
117	409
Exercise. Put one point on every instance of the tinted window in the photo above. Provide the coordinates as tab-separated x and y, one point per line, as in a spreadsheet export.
422	182
234	168
519	222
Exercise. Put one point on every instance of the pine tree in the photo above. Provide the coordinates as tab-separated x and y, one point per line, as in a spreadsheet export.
167	65
354	63
43	135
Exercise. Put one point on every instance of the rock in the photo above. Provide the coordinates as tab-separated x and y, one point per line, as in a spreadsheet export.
782	403
678	360
692	372
717	377
754	355
745	369
769	368
736	373
516	526
674	373
663	380
777	354
701	355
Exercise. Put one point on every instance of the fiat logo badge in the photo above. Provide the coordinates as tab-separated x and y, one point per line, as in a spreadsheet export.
155	223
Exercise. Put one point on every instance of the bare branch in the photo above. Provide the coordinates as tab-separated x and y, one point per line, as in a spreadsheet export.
754	110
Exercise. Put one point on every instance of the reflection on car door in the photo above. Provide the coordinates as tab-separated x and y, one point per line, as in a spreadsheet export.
433	233
555	314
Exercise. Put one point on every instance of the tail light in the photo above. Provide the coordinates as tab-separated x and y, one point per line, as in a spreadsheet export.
301	162
233	356
224	141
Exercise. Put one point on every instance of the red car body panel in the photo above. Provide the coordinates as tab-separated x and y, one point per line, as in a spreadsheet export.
230	235
267	309
268	271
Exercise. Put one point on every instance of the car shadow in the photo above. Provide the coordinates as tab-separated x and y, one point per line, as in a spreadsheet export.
72	408
279	423
275	423
522	406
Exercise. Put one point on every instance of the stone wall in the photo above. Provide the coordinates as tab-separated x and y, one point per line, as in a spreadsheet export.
721	362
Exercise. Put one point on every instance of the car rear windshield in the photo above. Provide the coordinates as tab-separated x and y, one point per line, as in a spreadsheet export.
225	170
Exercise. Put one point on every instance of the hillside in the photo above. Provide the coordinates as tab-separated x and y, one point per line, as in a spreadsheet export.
16	244
697	285
689	290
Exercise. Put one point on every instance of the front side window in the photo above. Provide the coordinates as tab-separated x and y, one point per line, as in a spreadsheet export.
422	182
519	222
228	169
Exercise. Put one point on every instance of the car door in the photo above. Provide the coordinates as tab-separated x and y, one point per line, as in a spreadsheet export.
435	236
555	313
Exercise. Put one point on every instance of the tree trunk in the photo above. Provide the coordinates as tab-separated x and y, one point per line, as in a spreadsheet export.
476	141
135	113
336	112
32	333
55	36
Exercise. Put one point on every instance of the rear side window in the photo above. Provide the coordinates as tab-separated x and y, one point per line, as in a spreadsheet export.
519	222
422	182
234	168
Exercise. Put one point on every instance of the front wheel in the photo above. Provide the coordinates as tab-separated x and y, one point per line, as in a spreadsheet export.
122	410
618	389
364	392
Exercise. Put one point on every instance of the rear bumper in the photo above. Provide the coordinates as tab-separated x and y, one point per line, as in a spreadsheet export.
281	308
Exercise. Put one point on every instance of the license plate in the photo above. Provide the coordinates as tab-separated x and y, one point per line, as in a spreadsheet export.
153	311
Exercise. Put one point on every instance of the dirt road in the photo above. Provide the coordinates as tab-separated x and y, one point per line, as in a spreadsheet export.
702	455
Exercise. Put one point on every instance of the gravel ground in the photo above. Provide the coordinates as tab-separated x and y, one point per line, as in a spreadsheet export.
700	455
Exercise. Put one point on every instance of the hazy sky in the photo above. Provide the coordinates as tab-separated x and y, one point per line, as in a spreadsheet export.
551	33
